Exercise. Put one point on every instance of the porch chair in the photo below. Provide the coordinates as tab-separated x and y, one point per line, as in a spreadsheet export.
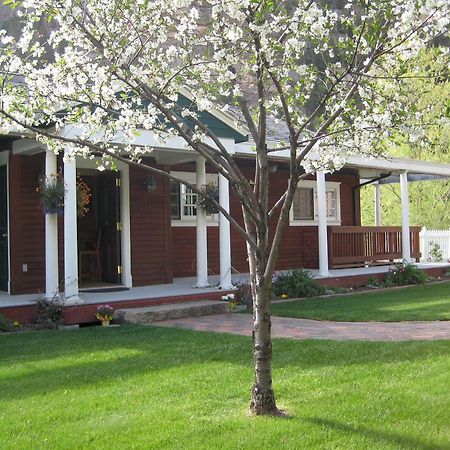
95	253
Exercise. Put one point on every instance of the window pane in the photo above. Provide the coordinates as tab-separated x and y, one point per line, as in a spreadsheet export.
303	206
331	204
175	212
190	202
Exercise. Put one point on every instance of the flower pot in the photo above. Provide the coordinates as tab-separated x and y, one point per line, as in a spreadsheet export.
105	322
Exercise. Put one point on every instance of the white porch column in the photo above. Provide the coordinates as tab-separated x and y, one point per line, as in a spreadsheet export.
125	240
202	239
406	245
224	235
322	224
377	205
51	237
71	292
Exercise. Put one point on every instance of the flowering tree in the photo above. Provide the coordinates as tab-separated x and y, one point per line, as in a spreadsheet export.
115	67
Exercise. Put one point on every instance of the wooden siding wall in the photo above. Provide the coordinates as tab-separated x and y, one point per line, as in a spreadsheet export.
151	247
27	235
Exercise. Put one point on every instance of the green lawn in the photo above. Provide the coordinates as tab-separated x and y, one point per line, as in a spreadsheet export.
153	388
425	302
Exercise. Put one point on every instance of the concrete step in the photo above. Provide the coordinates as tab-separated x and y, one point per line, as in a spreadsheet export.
158	313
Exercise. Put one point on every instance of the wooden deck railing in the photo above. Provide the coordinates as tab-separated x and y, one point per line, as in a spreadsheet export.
354	246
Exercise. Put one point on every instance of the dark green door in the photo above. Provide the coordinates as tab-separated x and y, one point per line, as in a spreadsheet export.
108	214
3	229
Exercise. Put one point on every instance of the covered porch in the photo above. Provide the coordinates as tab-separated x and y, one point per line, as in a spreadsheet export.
366	246
67	261
336	244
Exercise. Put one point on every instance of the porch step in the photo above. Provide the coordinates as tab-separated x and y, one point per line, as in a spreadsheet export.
158	313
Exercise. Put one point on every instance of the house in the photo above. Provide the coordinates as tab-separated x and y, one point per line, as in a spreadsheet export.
144	230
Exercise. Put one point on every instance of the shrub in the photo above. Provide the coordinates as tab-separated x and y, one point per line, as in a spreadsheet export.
49	312
296	283
403	274
372	281
5	325
436	254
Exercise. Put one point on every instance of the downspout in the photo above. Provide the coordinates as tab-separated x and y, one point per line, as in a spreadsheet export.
359	186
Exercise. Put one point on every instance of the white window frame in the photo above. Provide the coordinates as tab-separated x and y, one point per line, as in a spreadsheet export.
312	184
190	221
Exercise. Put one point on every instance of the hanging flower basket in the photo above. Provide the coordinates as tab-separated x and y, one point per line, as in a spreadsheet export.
207	204
52	191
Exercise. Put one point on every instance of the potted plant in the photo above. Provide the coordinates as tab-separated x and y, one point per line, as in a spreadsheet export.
232	301
104	314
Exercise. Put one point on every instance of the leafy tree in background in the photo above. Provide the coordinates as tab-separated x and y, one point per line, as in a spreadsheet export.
117	68
425	137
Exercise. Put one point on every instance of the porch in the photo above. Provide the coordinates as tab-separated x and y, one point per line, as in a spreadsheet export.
22	307
144	232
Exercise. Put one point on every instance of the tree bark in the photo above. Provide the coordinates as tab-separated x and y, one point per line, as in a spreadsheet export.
263	397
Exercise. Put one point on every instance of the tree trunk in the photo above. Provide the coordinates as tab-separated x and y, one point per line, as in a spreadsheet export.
263	396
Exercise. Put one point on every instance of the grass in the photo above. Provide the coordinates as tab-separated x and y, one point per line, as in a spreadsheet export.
424	302
153	388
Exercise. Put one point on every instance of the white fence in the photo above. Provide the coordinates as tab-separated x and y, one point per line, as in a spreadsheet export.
435	243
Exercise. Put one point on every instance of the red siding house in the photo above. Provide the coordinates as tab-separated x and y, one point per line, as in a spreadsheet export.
143	230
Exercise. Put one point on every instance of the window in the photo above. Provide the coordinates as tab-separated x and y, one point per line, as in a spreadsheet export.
175	210
183	201
304	206
189	198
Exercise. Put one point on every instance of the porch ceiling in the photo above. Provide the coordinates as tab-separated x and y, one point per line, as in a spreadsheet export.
411	177
417	170
173	156
368	168
365	168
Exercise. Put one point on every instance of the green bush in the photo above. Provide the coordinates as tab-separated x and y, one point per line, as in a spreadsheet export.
296	283
5	325
404	273
372	281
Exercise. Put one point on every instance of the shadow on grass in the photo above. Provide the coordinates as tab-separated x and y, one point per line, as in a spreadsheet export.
39	363
378	435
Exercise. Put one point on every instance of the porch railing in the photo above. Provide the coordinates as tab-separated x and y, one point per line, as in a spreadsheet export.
354	246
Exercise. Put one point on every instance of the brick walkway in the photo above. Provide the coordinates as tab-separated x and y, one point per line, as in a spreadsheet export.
286	327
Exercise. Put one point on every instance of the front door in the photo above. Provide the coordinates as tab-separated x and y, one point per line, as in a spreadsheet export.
3	229
109	221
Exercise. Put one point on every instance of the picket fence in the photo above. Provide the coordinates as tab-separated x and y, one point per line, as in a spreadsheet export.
429	239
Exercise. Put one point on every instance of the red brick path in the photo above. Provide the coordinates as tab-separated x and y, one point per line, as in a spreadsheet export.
286	327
